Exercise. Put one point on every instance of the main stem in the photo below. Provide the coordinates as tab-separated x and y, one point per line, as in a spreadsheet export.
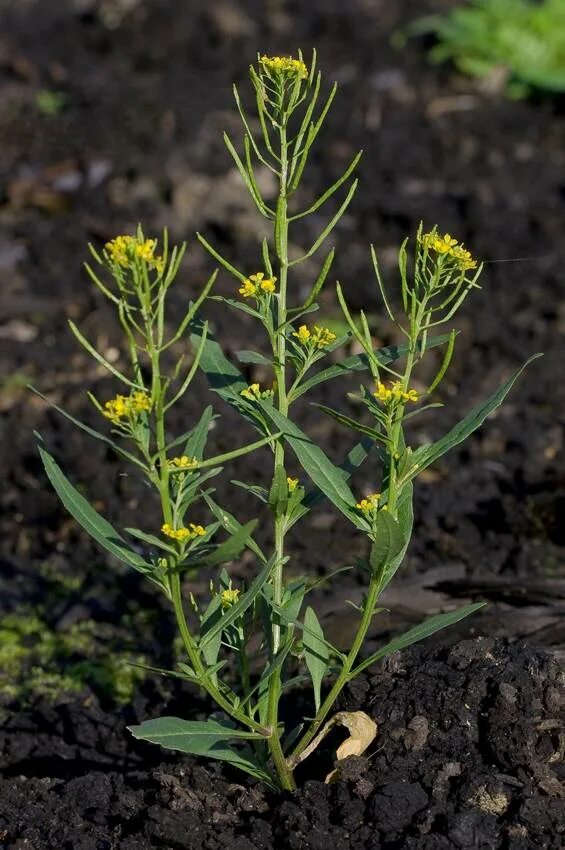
281	240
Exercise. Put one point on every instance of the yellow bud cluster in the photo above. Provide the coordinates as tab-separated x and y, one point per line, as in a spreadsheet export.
183	533
229	597
394	393
124	250
284	65
256	284
183	462
369	504
446	244
253	392
122	407
317	338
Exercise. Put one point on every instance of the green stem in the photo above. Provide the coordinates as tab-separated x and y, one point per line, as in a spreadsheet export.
281	241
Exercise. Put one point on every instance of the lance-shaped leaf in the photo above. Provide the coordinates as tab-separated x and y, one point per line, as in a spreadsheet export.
223	377
329	478
93	523
405	520
424	630
231	524
426	455
202	738
390	541
316	654
198	437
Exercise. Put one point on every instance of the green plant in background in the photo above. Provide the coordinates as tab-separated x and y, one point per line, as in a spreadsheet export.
522	37
246	646
36	661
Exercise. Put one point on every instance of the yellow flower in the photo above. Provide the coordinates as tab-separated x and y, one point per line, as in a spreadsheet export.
183	462
229	597
247	289
124	250
255	283
303	334
446	244
322	337
382	393
282	65
183	533
395	393
117	408
253	392
268	285
139	401
292	484
369	504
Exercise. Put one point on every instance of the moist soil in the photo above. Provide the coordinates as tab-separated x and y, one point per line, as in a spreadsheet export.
111	113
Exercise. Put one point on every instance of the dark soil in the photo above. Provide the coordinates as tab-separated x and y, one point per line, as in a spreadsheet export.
146	89
468	756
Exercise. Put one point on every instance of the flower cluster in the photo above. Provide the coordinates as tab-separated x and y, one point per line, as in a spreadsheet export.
370	504
254	285
229	596
123	407
183	462
447	245
124	250
315	338
394	393
284	66
254	392
183	534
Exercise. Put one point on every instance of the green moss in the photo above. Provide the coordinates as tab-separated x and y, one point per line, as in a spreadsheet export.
37	661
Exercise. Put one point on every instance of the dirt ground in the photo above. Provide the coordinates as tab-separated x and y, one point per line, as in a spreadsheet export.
111	113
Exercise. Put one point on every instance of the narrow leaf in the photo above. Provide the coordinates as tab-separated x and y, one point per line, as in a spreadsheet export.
316	655
426	455
418	633
92	522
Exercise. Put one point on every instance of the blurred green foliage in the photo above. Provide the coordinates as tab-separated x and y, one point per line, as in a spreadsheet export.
525	38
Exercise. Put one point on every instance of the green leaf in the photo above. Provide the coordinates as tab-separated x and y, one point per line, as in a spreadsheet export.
426	455
316	655
389	542
418	633
360	363
211	649
230	548
231	524
252	357
223	377
196	442
151	540
349	422
93	523
207	738
278	494
316	464
255	490
405	520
